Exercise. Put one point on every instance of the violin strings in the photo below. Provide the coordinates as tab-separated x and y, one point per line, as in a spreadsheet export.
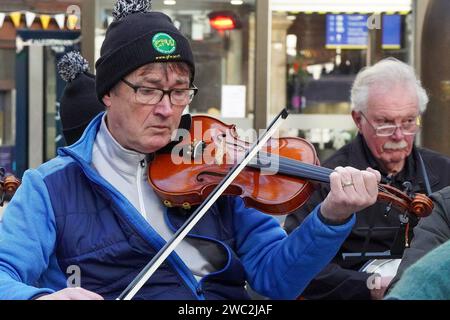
298	169
322	172
301	172
304	170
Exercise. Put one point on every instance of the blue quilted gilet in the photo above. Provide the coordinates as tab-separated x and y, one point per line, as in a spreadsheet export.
94	234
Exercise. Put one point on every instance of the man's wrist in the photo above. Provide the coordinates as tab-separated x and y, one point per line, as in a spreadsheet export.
333	222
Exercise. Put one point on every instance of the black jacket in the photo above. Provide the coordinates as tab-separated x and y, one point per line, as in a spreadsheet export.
341	278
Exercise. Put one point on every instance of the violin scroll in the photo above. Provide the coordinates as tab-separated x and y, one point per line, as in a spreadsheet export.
8	185
421	206
414	203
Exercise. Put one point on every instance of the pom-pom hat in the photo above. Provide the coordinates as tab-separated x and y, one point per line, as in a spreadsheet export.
79	103
137	37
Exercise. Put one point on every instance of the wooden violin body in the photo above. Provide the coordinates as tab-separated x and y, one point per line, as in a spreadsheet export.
201	170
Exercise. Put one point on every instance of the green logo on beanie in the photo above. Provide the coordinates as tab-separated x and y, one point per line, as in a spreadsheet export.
164	43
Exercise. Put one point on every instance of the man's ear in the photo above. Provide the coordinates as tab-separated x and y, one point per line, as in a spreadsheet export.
107	100
357	119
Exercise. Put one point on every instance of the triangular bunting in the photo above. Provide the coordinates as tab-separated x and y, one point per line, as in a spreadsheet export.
15	17
2	18
29	18
45	20
60	19
72	20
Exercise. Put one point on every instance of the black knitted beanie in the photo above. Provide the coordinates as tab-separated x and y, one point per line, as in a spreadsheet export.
79	103
136	37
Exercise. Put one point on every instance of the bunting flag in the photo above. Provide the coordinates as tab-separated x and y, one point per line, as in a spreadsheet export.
45	20
2	18
60	19
29	18
72	20
15	17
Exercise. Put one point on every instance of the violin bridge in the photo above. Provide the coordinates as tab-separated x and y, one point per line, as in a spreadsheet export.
220	152
196	150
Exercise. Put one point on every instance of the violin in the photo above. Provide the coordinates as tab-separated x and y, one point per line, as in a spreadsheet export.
8	185
281	179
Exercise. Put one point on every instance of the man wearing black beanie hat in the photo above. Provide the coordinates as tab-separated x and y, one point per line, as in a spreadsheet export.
139	45
79	103
135	38
96	217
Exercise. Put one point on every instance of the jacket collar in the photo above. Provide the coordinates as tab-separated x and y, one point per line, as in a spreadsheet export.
83	147
123	160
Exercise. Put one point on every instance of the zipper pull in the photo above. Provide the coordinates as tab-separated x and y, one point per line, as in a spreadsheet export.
142	162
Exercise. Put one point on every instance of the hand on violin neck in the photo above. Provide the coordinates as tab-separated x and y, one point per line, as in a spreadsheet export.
351	191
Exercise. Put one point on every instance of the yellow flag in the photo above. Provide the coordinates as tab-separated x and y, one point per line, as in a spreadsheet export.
15	17
45	20
72	20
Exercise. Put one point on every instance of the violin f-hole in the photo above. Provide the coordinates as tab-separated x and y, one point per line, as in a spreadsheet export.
209	173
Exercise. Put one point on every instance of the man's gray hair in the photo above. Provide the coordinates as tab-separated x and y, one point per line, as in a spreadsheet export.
386	73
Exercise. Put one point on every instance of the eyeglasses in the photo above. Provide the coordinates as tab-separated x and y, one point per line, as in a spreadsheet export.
408	127
146	95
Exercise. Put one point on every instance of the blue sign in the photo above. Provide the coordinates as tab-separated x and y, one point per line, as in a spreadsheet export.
350	31
392	31
345	30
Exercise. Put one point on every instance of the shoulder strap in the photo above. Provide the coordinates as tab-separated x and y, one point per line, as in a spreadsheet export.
424	173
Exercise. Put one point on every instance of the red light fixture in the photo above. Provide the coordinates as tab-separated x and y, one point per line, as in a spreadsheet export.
224	20
221	23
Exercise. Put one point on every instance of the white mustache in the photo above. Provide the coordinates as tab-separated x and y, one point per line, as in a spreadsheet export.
395	145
